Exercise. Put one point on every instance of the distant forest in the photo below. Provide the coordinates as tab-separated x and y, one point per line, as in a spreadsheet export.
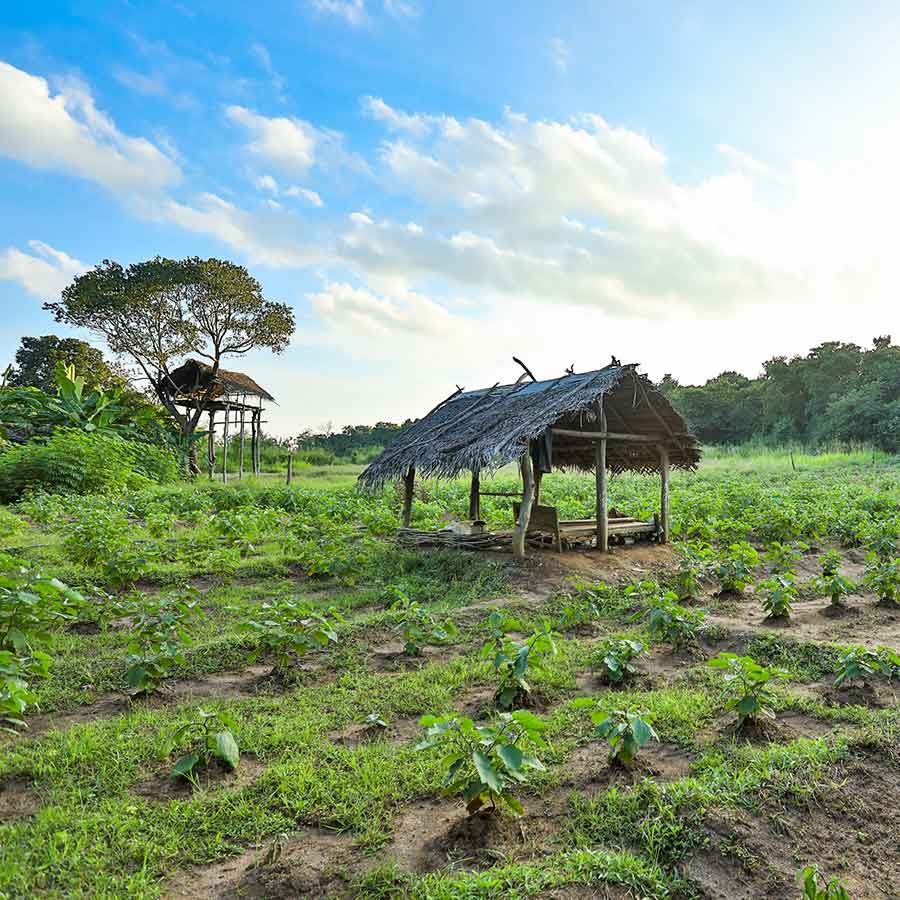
836	394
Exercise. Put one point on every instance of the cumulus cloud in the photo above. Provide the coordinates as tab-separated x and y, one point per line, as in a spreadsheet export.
394	119
43	273
310	196
66	132
581	212
344	306
292	145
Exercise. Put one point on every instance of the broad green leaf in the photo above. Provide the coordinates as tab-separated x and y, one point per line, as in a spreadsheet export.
227	748
486	771
511	756
185	765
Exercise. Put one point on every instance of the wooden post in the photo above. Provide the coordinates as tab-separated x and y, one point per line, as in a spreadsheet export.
602	493
475	496
664	493
241	463
409	480
211	444
290	471
521	529
538	475
225	446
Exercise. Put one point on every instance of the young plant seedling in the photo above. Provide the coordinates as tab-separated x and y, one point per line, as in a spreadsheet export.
693	565
779	593
734	567
833	585
748	686
288	628
16	696
784	557
158	639
482	763
511	659
209	736
613	659
674	624
856	662
815	887
418	626
625	731
883	577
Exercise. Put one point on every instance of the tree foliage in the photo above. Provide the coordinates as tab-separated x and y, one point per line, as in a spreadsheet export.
836	392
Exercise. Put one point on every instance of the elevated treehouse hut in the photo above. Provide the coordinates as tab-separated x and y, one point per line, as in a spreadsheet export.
234	401
608	420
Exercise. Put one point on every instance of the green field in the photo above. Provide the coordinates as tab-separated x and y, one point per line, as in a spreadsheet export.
226	597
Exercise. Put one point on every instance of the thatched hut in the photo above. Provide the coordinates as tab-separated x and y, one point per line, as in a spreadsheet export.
231	399
610	419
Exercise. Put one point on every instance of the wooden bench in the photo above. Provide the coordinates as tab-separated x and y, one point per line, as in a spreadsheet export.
545	520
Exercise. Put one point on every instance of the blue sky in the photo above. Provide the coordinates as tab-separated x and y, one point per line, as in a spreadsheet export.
436	186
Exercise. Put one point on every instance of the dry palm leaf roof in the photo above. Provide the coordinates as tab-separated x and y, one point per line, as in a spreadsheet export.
192	378
488	428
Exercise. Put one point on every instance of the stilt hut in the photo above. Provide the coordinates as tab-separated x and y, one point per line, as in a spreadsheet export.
606	421
235	403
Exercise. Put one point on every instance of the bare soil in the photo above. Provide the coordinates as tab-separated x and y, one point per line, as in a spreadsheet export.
163	787
18	798
851	831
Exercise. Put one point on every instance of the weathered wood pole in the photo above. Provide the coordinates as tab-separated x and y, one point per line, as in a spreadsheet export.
521	529
664	493
538	475
290	471
241	463
475	496
409	480
225	446
254	440
602	497
211	444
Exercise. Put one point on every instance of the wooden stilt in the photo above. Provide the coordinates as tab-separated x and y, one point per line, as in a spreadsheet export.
290	469
475	497
602	493
211	444
521	529
225	446
664	493
409	481
254	430
241	463
538	475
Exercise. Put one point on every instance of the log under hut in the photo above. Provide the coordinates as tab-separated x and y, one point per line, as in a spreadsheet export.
607	421
234	402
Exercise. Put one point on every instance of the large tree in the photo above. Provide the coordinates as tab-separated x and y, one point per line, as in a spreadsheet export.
37	358
157	312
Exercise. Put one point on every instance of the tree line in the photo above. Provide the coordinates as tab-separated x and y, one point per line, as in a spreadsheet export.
838	393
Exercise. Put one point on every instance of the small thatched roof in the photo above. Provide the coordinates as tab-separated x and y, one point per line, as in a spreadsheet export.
192	379
488	428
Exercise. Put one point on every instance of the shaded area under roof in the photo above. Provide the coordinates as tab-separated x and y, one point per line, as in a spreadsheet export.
490	427
192	379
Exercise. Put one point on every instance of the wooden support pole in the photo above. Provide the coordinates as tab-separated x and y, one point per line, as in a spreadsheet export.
602	493
664	493
538	475
521	529
290	471
241	463
475	496
211	444
409	481
225	445
253	441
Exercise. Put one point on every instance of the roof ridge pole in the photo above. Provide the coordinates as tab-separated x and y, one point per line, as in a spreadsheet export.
602	495
521	529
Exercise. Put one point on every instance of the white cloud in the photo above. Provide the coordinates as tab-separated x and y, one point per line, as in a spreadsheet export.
65	132
293	146
361	311
560	54
43	273
266	183
377	109
400	9
742	160
310	196
353	12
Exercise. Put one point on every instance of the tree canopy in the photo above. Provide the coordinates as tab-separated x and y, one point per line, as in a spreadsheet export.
37	359
158	311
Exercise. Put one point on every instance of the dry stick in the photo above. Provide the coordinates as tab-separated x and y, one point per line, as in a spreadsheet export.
528	371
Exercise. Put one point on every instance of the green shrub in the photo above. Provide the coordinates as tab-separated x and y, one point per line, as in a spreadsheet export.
78	462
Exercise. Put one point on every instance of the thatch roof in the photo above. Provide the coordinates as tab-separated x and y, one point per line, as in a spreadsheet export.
488	428
192	379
